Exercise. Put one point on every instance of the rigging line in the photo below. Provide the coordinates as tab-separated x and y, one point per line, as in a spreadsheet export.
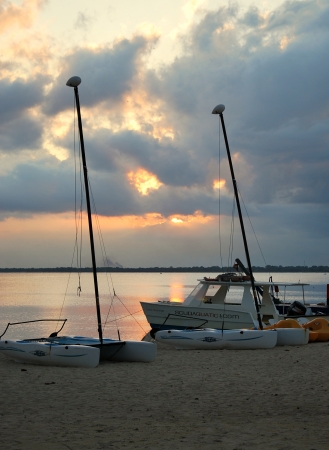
129	315
108	274
245	208
230	253
75	248
104	256
79	262
77	216
101	240
219	204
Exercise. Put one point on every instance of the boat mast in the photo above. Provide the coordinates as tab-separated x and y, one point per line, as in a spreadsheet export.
219	109
74	82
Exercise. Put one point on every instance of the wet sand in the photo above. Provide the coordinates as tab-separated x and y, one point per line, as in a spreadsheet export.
249	399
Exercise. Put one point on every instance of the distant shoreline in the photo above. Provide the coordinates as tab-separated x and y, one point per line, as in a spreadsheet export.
213	269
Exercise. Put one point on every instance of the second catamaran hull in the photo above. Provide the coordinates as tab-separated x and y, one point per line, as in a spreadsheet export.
113	350
209	339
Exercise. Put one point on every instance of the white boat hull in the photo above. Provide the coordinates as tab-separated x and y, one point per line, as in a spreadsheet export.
210	339
176	316
114	350
50	354
292	336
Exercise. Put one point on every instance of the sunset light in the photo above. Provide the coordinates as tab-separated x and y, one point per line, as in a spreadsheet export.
143	181
219	184
156	155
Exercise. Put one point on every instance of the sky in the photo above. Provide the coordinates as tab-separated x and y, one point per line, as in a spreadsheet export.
152	72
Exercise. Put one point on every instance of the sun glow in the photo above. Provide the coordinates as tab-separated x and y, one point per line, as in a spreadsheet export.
219	184
177	294
143	181
285	41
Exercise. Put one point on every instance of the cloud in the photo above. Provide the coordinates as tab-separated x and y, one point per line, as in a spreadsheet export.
108	72
83	21
18	128
18	96
21	16
270	70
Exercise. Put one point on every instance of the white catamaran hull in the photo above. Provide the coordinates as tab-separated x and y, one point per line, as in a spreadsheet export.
292	336
209	339
50	354
113	350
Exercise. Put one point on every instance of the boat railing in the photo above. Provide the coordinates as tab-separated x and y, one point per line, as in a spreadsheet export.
54	334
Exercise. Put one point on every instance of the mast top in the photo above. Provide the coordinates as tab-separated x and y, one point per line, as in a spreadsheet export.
218	109
73	81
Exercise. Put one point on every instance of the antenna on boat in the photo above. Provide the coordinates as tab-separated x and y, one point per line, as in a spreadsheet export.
74	82
219	109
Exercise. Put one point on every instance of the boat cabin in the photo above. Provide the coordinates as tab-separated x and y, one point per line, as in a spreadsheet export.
236	295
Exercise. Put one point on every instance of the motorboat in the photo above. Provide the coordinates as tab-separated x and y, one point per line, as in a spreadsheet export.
225	302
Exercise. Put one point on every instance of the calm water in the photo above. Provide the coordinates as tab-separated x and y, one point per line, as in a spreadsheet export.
27	296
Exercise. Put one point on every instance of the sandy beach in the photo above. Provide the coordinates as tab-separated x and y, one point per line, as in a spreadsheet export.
235	400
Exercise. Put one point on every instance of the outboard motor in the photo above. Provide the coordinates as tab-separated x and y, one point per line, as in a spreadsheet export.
296	309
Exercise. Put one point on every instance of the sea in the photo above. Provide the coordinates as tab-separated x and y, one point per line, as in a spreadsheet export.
28	297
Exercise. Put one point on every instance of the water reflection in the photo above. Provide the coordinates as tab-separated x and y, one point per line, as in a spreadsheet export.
27	296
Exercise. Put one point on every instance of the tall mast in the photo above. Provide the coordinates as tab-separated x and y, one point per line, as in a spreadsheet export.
74	82
219	109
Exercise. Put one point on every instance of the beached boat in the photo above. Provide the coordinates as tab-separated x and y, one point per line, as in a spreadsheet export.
50	354
290	332
296	308
229	301
78	351
210	339
319	328
221	303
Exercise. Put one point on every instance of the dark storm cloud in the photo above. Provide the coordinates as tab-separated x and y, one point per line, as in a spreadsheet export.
45	186
20	133
48	187
16	96
172	166
108	73
18	129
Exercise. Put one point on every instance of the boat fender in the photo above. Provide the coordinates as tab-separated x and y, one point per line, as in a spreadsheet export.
241	332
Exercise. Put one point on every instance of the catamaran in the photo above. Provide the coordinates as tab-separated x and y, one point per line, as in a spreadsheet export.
78	351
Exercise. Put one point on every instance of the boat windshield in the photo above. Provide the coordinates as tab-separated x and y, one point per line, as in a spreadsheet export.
197	293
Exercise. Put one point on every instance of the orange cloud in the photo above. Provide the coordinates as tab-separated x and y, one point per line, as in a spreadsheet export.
197	217
21	16
143	181
219	184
